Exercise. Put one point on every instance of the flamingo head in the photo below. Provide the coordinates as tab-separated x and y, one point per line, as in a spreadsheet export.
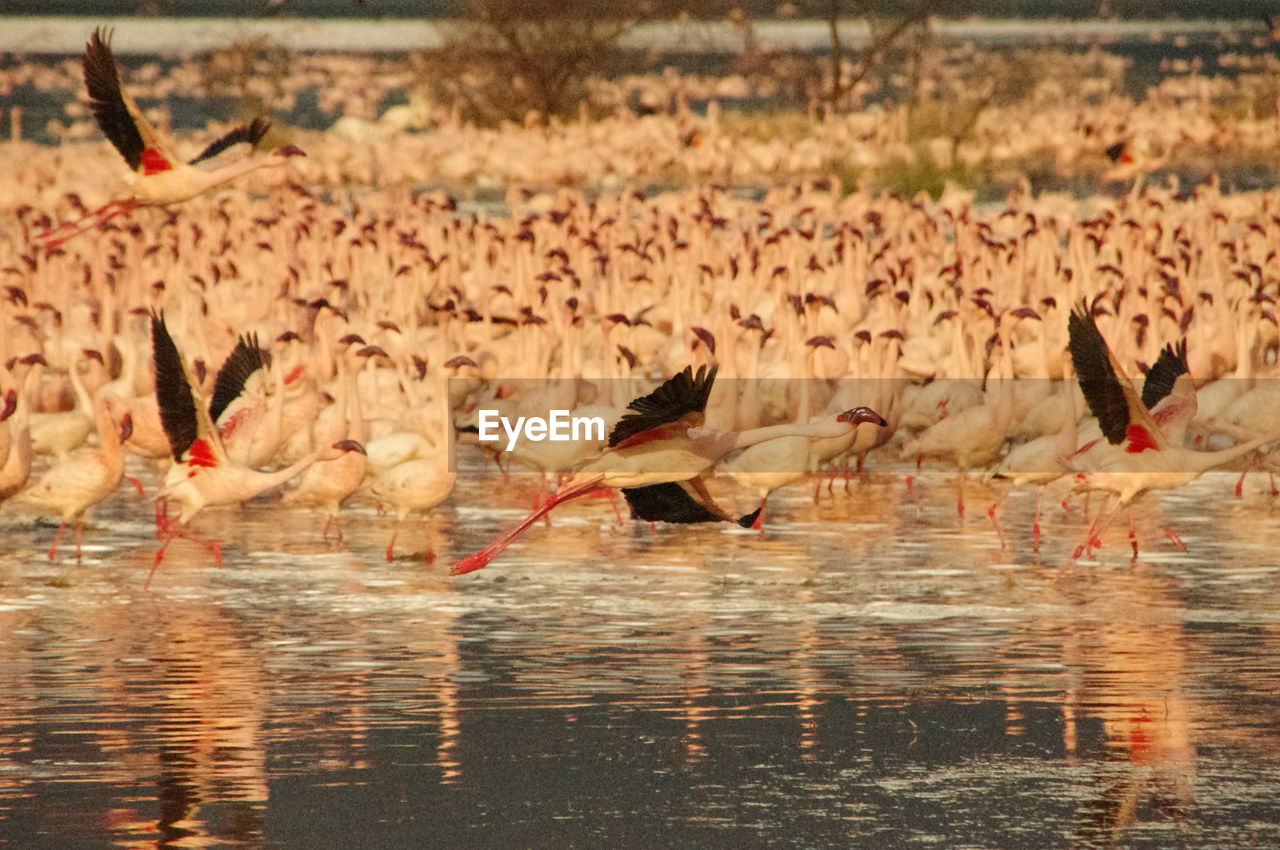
286	151
858	415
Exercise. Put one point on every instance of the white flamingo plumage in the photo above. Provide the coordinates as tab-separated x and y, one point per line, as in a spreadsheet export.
86	476
1138	456
419	484
158	176
202	474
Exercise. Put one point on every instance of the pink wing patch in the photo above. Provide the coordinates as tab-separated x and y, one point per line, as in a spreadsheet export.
153	162
1138	439
231	423
201	454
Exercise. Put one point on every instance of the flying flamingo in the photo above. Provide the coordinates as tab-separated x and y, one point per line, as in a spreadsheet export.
1140	456
658	454
159	177
202	475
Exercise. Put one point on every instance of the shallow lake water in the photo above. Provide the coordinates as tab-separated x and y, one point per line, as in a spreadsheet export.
868	672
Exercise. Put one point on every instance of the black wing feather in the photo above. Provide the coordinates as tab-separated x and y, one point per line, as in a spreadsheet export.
668	503
1171	364
250	133
1098	380
103	82
682	394
243	361
173	392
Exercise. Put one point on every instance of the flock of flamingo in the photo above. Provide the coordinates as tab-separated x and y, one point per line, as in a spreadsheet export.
339	342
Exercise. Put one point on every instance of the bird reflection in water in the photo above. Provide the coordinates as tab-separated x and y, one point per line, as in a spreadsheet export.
1129	665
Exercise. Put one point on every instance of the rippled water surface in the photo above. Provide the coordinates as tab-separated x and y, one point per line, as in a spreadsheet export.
868	672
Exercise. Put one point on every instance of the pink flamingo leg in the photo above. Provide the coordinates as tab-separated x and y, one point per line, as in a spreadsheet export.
995	522
1133	539
51	239
57	536
173	530
477	560
1035	522
391	547
610	494
1092	537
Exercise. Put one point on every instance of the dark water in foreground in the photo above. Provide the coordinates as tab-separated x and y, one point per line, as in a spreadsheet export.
866	674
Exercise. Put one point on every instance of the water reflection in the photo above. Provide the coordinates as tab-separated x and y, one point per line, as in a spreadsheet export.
867	672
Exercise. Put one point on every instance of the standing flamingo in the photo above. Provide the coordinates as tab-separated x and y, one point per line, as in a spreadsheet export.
658	454
86	476
158	177
17	465
202	475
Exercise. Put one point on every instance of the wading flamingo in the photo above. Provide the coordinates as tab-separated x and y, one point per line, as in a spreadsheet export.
86	476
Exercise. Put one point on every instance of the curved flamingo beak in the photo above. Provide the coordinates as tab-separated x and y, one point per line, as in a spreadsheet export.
349	446
10	405
858	415
289	150
126	427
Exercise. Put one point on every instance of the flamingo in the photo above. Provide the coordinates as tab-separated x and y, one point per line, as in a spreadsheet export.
159	177
17	465
657	455
1140	457
327	485
8	404
972	437
418	484
86	476
202	474
1040	462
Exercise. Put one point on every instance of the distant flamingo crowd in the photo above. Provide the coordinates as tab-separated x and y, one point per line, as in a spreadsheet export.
339	343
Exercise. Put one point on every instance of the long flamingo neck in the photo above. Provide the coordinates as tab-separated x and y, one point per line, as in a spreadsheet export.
825	428
108	434
1209	460
209	179
280	476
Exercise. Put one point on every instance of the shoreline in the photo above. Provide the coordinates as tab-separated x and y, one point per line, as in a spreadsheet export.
57	35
